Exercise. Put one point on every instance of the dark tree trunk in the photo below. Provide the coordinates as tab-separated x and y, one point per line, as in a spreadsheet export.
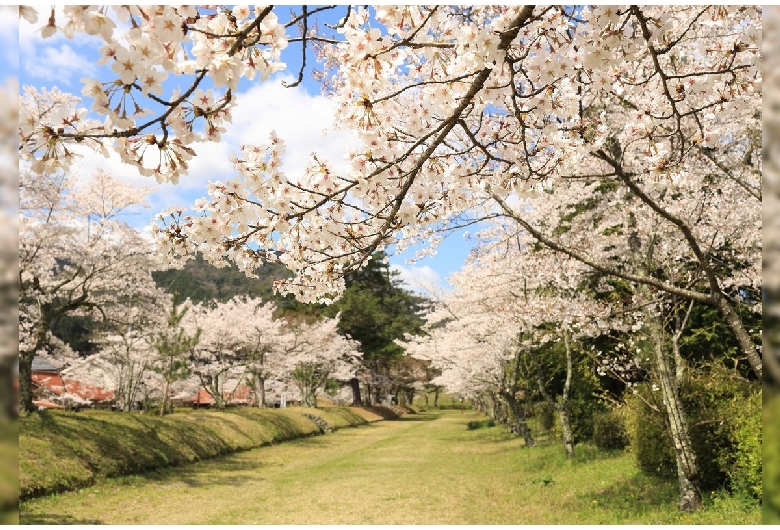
261	391
518	418
25	382
436	398
356	400
8	400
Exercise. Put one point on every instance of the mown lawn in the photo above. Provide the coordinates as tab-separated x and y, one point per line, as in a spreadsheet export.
9	472
423	469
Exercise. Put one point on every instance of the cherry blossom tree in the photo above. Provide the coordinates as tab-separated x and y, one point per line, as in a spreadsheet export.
126	354
454	106
75	255
315	353
240	343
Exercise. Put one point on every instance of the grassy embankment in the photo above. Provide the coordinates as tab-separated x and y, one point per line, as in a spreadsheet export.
423	469
61	451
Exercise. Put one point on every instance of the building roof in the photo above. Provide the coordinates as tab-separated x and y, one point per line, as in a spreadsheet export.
39	364
58	386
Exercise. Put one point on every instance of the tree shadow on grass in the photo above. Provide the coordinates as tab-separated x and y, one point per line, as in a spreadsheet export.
416	417
54	518
231	472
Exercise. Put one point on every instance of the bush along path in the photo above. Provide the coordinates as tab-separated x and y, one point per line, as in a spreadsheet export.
426	468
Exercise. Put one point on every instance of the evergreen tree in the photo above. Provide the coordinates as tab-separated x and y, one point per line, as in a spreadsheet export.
375	310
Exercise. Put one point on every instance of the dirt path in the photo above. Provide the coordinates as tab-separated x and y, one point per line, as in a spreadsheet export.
391	472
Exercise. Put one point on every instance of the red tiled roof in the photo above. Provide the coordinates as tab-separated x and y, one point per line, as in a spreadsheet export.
58	386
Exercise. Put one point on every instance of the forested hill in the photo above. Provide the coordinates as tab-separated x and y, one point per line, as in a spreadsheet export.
199	281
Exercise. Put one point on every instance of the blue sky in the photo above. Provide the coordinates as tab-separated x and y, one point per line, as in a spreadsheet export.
298	115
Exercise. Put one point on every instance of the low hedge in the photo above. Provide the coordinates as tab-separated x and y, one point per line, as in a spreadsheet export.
61	451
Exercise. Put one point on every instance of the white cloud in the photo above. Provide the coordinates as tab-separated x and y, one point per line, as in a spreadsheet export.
295	115
58	63
54	58
423	280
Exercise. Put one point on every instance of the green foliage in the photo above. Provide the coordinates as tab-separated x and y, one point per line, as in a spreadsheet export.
172	345
375	310
582	407
724	420
609	430
473	425
743	464
200	281
651	443
771	455
77	332
545	412
709	340
332	387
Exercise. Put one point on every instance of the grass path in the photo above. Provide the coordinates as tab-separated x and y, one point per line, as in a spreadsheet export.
422	469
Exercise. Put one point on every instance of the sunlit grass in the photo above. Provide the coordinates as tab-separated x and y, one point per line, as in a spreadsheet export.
61	451
423	469
9	472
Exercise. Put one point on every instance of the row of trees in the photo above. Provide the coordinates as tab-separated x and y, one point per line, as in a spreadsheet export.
609	280
626	139
90	303
221	348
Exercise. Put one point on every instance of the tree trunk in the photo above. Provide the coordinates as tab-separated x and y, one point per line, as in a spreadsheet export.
356	400
8	398
746	343
436	398
568	438
165	398
563	405
518	418
25	382
690	494
260	391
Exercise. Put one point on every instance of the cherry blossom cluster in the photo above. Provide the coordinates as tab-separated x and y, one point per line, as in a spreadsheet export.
460	111
208	50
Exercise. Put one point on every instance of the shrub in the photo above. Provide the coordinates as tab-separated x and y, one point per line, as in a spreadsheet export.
581	413
545	412
470	426
743	465
609	430
649	439
724	419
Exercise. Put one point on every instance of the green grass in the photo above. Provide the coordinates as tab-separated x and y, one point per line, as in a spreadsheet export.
61	451
9	472
425	468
